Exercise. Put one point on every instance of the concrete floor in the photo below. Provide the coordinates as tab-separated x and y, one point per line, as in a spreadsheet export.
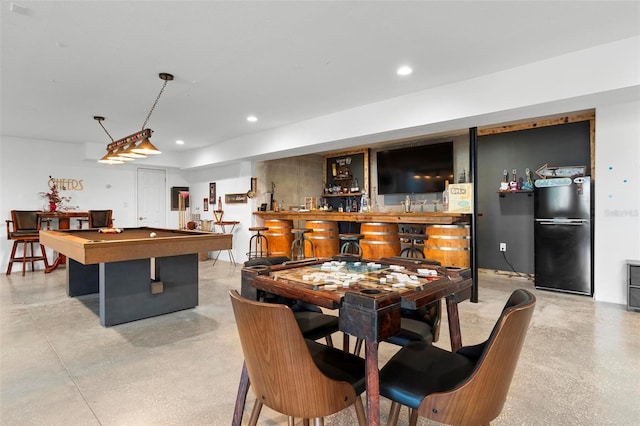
580	364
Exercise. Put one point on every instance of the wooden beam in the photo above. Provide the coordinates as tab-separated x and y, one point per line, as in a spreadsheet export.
535	124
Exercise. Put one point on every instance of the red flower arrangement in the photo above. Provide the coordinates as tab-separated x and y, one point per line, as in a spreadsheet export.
53	196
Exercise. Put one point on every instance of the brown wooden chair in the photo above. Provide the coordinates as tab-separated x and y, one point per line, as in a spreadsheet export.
24	228
468	387
292	375
313	323
100	218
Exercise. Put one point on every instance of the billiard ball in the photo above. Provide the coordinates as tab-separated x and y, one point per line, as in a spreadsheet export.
152	235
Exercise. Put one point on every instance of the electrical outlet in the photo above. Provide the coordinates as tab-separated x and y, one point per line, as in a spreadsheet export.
503	246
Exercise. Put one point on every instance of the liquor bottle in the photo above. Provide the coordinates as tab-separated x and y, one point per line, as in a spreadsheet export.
364	203
354	185
445	197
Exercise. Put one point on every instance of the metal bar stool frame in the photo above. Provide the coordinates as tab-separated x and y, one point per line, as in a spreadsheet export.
258	243
352	242
297	246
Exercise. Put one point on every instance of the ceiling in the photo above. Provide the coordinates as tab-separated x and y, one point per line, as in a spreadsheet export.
65	61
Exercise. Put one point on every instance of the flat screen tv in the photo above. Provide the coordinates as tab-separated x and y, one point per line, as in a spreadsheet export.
415	169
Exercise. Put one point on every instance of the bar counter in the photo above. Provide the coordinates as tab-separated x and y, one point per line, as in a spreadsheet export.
383	217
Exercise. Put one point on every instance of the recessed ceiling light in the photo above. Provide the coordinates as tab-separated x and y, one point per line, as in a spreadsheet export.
252	118
404	70
179	142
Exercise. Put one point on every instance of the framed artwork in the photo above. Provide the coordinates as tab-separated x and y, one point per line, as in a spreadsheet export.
341	169
175	193
205	205
212	192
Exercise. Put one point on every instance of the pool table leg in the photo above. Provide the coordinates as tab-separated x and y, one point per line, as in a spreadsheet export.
125	288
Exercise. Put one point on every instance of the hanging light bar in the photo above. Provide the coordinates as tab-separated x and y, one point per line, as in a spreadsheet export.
108	159
128	148
127	153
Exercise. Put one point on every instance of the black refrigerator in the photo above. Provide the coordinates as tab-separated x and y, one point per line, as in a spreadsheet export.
563	249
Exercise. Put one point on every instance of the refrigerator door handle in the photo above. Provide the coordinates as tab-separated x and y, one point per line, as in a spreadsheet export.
576	222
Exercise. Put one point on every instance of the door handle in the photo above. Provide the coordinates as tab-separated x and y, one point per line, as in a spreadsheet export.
141	218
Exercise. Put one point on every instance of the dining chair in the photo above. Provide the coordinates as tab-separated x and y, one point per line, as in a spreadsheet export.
416	325
313	323
97	219
292	375
467	387
24	228
100	218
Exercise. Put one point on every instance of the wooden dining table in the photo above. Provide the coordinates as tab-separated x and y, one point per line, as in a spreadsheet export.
64	222
368	309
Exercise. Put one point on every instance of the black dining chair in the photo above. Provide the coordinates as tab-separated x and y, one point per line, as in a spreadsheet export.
416	325
467	387
100	218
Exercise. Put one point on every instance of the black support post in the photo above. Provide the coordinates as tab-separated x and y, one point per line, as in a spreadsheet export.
473	159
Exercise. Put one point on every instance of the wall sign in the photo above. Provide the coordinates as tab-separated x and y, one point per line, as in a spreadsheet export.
66	184
235	198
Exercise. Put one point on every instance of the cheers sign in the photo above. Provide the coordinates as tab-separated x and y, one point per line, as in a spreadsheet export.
66	184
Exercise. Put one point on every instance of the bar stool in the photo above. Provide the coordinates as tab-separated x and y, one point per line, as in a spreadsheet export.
258	243
351	244
26	231
297	246
413	251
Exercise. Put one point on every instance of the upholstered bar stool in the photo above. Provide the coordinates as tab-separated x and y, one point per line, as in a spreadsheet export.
297	246
351	244
258	243
26	231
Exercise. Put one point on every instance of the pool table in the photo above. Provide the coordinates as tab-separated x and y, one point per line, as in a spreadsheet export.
136	275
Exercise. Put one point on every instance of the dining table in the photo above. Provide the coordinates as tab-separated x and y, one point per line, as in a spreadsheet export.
369	306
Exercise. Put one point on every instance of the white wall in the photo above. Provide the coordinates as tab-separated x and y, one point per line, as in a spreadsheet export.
229	179
617	196
25	167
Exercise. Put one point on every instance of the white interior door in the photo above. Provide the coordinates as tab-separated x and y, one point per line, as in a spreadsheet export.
152	199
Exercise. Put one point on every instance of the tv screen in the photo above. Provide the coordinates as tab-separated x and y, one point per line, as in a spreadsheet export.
416	169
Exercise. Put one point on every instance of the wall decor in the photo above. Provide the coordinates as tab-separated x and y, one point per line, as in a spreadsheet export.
235	198
346	172
205	204
212	192
175	194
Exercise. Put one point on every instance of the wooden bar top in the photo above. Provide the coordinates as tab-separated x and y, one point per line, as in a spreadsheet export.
384	217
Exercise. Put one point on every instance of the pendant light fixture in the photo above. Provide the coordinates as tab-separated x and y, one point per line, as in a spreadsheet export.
137	145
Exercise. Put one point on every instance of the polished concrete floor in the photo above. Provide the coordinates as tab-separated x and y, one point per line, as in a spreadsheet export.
580	364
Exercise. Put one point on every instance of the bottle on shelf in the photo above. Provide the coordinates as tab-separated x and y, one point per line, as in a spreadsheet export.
407	204
445	197
340	209
354	205
364	203
354	185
